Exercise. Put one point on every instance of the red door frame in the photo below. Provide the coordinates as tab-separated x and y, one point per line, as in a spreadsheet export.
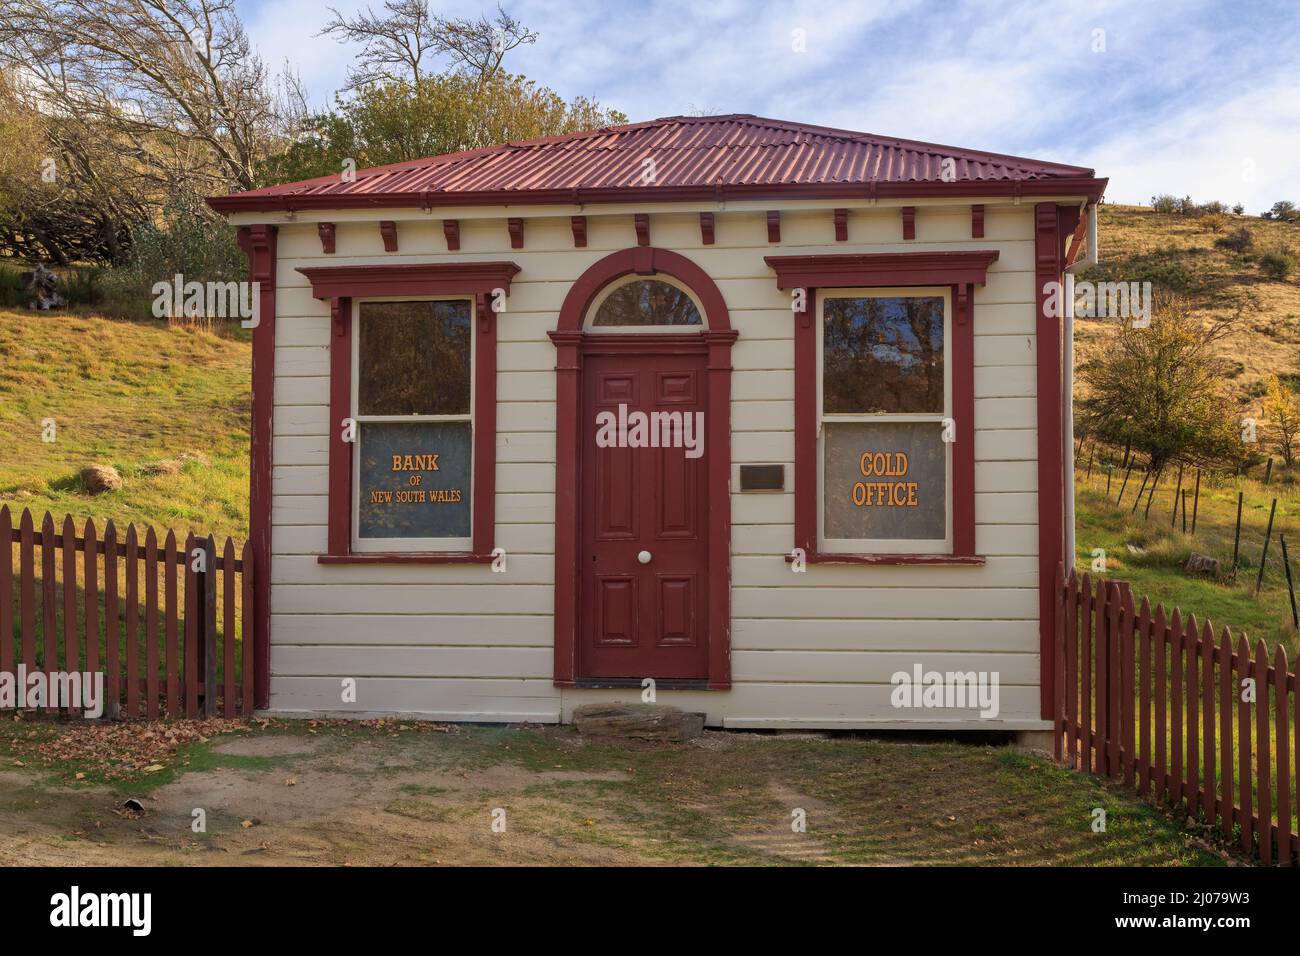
571	343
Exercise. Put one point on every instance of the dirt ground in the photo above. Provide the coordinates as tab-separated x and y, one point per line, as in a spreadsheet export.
336	793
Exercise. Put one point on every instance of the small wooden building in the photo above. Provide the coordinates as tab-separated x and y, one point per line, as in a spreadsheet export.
767	413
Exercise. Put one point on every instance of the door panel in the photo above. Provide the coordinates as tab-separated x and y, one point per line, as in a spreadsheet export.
643	620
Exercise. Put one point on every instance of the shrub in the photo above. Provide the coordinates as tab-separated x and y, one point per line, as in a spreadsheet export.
1213	221
12	293
190	242
1239	240
1166	203
1238	209
81	286
1277	265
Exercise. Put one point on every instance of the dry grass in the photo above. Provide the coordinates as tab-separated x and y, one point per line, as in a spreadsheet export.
1266	337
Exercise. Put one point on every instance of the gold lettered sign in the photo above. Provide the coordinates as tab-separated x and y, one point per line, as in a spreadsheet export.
414	480
885	480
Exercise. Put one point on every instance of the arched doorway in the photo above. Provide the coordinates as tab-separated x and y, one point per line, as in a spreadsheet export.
643	462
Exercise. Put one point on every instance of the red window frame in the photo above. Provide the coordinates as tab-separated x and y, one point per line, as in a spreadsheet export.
961	272
340	285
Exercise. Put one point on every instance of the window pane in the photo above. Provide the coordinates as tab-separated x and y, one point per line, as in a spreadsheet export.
882	355
647	302
885	480
414	480
414	358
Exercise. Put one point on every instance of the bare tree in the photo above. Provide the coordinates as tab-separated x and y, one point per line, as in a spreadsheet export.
169	89
395	44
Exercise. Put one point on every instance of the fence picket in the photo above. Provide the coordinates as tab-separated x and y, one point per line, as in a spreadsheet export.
151	623
1144	706
1176	708
1192	763
1161	629
1243	742
27	589
48	585
1071	685
6	592
228	619
191	665
1086	757
1225	731
248	651
1280	723
90	576
1262	756
1114	687
1208	777
172	622
71	659
132	623
112	633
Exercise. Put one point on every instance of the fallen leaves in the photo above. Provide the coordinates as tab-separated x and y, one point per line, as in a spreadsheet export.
113	750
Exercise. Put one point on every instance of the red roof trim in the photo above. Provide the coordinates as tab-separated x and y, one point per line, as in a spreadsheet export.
845	270
328	282
1084	186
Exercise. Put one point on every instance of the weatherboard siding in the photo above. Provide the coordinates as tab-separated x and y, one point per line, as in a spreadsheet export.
814	649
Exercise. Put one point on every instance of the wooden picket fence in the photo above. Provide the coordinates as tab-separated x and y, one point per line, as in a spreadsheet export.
1149	698
150	609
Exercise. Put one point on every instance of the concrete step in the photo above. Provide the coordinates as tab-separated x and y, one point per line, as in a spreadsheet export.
643	721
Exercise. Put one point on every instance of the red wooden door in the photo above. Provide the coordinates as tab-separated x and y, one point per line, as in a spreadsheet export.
644	580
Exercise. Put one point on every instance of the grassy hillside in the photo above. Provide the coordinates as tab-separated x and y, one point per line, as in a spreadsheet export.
1179	253
167	407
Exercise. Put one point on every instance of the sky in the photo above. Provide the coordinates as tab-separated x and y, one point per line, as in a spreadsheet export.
1188	97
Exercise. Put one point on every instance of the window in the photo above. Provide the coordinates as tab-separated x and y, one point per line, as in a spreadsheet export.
412	372
413	467
885	393
884	361
647	303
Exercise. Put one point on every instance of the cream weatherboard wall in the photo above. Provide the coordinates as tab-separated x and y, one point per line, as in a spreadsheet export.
815	649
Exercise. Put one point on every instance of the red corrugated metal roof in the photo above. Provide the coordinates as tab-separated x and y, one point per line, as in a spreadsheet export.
693	157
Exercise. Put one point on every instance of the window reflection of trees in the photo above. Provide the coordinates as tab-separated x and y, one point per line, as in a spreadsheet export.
414	358
883	355
647	302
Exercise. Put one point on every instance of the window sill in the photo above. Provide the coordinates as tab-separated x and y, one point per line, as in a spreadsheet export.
941	560
422	557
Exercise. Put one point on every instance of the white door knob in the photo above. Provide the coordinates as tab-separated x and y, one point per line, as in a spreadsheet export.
644	557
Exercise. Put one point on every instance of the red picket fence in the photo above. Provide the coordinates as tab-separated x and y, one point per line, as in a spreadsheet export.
162	651
1150	698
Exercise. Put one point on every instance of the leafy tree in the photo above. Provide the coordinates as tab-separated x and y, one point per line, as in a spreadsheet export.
1282	413
1284	211
1159	389
393	122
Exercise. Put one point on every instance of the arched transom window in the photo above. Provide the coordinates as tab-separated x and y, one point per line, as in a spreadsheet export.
646	303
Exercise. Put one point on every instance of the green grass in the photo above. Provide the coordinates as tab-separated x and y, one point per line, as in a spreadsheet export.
1156	569
147	399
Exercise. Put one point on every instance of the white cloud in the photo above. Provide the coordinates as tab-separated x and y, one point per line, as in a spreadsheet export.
1183	93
